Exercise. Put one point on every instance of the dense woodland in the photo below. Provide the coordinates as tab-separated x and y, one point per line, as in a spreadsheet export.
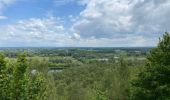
86	73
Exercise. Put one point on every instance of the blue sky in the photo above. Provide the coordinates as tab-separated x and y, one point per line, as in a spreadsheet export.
77	23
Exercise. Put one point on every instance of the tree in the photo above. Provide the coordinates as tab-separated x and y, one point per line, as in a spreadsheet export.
153	83
20	80
20	84
37	87
4	79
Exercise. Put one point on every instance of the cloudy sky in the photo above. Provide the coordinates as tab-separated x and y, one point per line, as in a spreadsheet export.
83	23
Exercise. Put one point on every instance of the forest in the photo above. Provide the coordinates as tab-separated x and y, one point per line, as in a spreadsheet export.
86	73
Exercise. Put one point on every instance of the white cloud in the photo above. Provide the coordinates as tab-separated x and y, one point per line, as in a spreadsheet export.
112	19
101	23
62	2
3	17
3	5
73	18
76	36
35	32
49	31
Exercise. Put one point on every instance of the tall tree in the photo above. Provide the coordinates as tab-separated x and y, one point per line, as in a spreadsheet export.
20	78
20	84
4	80
153	83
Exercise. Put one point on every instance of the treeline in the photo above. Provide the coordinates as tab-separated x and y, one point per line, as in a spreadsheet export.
75	52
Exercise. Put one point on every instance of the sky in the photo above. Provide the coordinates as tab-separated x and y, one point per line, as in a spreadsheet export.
83	23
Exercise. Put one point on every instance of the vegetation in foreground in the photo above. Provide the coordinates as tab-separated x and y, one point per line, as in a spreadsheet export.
153	83
17	83
86	76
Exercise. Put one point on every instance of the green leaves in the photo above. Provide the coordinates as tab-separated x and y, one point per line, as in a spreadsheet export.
153	83
4	79
94	81
19	84
37	87
2	63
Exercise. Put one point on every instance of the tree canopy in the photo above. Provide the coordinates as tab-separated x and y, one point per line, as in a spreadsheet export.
153	83
17	83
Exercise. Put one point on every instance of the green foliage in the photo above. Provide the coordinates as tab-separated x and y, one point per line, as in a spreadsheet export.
37	88
17	84
39	64
71	73
4	79
153	83
63	62
19	81
94	81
